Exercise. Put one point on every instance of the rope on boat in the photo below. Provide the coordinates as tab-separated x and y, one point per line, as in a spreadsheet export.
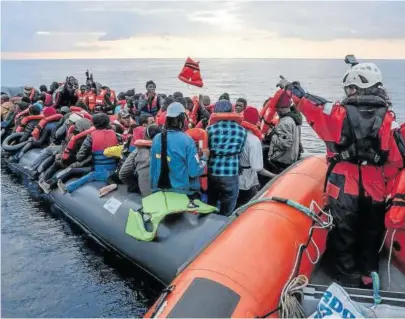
290	307
389	254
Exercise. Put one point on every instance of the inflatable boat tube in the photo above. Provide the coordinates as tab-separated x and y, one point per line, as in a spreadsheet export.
179	236
242	272
12	138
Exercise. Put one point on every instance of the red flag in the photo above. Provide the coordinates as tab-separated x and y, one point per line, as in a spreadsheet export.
190	73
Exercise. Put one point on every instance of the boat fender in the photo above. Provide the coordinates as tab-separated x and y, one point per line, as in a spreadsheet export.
200	137
8	142
216	117
143	224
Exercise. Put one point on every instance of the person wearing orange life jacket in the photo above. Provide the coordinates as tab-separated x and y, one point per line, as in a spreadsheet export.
82	93
121	103
135	171
139	132
285	138
67	156
161	115
151	102
357	133
93	149
251	158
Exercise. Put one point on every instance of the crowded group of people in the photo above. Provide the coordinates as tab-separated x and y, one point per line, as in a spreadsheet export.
222	152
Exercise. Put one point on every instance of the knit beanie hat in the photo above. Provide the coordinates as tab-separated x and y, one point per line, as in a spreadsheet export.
49	111
284	101
251	115
223	106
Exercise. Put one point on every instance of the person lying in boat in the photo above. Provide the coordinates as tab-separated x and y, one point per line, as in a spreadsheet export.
357	151
135	171
92	149
60	141
226	140
175	163
151	102
251	159
285	137
240	105
46	135
66	156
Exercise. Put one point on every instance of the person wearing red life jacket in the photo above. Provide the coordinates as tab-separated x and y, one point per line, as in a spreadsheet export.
151	102
93	149
357	134
81	93
139	132
46	96
121	103
285	138
161	115
67	156
251	158
122	124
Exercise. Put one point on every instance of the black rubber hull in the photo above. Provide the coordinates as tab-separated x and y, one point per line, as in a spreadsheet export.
179	237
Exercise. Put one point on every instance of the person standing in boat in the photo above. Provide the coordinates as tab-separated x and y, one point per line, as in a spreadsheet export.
175	163
226	140
357	133
251	159
92	149
285	137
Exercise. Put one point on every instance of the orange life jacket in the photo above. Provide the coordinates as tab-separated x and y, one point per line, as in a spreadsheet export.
28	119
215	117
91	98
191	74
67	152
194	112
38	130
83	113
100	98
253	128
21	114
113	96
200	137
268	111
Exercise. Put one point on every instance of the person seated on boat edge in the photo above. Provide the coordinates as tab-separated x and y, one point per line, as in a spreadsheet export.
65	157
285	138
10	122
175	163
60	141
45	95
47	134
240	105
135	171
161	115
32	110
251	159
65	95
138	132
92	149
151	102
226	141
358	150
53	87
30	92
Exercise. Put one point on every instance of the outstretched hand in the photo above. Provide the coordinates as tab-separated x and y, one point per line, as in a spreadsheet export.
283	83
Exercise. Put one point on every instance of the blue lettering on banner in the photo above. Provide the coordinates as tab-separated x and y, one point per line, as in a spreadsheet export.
330	304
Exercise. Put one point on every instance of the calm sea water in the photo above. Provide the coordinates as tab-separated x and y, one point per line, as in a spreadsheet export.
49	270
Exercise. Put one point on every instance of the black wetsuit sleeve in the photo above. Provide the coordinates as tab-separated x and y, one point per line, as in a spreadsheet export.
46	132
85	149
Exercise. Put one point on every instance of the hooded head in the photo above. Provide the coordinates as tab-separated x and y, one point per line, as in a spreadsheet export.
35	110
223	106
54	86
64	110
224	96
81	125
251	115
101	121
49	111
22	105
206	100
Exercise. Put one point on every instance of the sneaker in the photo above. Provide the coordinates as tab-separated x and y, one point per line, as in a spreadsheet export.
62	187
45	186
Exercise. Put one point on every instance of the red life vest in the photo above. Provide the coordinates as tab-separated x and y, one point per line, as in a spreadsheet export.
138	134
113	96
194	113
81	96
91	98
200	137
28	119
69	149
153	107
100	98
268	112
143	143
161	117
252	128
103	139
83	113
216	117
191	73
123	128
38	130
122	104
48	99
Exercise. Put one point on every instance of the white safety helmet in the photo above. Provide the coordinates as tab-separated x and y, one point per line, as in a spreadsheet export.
362	75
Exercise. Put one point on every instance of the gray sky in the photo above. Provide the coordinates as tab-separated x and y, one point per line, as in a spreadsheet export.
80	29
